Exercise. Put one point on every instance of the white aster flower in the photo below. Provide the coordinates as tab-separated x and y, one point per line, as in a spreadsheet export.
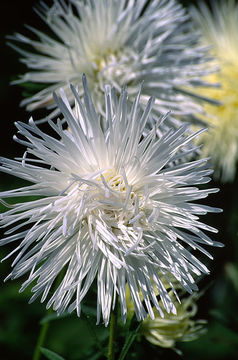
220	29
117	42
109	209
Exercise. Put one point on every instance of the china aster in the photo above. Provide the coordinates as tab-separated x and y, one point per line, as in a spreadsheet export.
108	212
116	42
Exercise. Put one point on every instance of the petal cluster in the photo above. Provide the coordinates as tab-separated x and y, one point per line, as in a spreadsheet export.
117	43
109	212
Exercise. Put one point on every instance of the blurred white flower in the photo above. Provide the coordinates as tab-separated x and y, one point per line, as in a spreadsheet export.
117	42
220	29
108	210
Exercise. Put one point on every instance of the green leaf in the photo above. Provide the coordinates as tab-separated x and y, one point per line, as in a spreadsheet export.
54	316
95	356
232	273
32	86
218	315
89	311
50	354
129	341
220	342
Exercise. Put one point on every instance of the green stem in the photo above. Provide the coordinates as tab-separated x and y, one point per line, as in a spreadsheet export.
41	338
94	334
113	326
45	326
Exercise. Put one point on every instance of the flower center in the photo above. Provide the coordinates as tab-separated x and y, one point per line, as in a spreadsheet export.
116	67
117	204
113	199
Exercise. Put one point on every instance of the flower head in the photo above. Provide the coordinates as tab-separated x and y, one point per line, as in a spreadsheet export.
117	42
166	332
172	328
220	30
108	210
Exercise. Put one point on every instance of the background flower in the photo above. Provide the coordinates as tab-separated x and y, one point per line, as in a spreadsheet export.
108	208
118	43
220	30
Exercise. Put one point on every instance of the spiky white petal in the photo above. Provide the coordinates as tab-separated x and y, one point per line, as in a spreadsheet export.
117	42
109	210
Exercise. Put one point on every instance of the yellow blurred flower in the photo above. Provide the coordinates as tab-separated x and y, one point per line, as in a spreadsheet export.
220	30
